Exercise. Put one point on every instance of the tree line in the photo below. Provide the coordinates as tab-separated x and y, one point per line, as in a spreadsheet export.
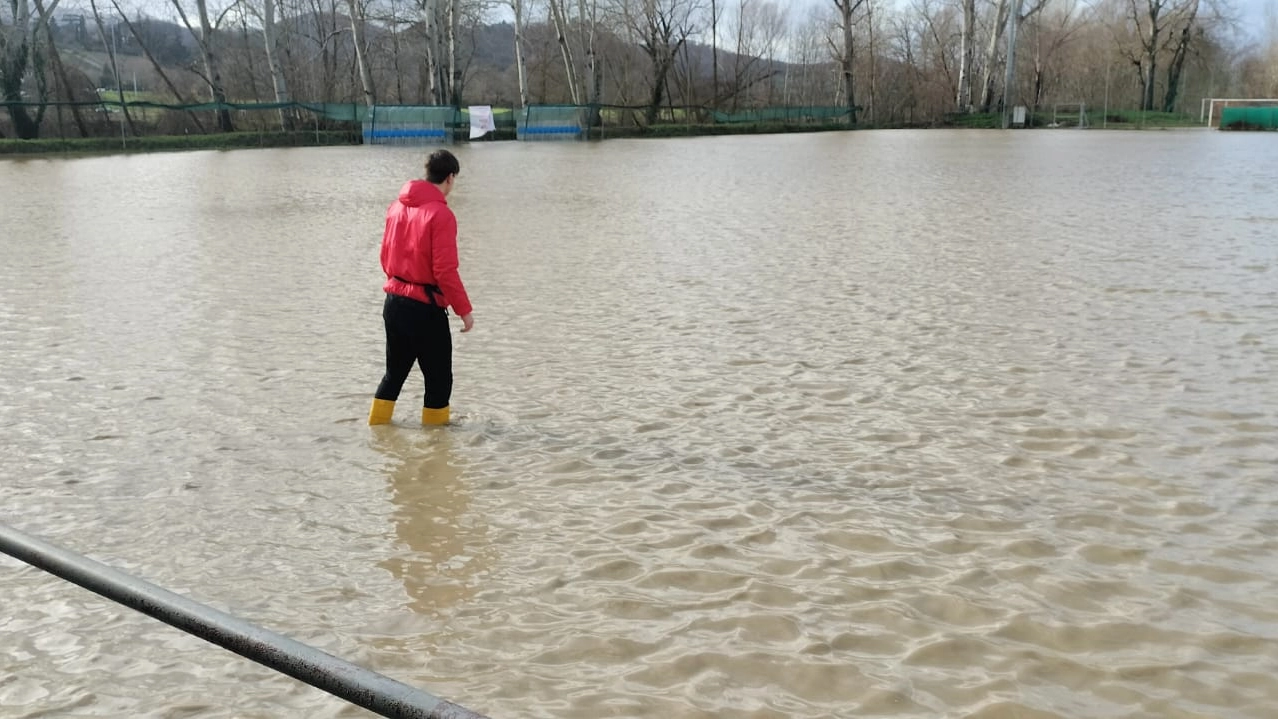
898	62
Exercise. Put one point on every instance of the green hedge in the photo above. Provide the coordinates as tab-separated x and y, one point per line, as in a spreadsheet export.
163	143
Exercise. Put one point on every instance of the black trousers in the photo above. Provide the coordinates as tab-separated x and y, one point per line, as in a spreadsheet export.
417	332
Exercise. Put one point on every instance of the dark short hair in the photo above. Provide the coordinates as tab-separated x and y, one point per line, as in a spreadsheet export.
440	165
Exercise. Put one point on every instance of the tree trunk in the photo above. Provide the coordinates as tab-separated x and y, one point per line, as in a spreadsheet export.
521	66
967	54
328	58
1176	67
397	52
115	68
1040	71
1149	69
714	54
1174	70
270	41
249	60
847	55
590	27
454	79
361	52
741	59
159	69
659	71
869	14
1148	74
15	49
1009	76
212	68
431	73
991	56
60	69
560	21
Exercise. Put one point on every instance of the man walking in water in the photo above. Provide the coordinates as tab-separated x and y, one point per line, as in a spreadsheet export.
419	257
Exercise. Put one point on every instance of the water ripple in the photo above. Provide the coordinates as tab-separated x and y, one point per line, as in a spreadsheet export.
926	424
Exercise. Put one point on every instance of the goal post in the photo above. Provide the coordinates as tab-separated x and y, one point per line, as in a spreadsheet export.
1210	110
1069	114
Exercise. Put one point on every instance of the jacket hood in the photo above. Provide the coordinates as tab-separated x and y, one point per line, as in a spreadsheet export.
416	193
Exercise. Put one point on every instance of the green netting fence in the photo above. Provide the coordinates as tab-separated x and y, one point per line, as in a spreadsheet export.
408	124
104	118
1249	118
808	114
553	122
392	124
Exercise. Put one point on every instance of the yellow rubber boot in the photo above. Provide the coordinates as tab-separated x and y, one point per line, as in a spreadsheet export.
381	411
431	417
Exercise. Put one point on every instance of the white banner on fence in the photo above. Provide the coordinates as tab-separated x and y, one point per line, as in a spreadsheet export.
481	120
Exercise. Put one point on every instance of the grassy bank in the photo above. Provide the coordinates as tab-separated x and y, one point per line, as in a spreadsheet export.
165	143
1092	119
676	130
1113	120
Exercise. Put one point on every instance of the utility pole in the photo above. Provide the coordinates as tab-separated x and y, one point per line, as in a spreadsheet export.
1013	21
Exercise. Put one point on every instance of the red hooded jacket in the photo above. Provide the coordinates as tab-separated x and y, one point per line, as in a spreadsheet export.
420	247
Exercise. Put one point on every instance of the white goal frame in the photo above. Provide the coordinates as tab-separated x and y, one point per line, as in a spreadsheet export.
1207	109
1080	118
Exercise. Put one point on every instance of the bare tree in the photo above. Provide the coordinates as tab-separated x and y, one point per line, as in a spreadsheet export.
1265	54
756	26
990	64
872	22
1051	33
560	22
845	52
155	64
115	68
807	49
588	21
432	74
450	26
1008	16
212	67
967	54
521	65
271	46
1157	28
395	24
360	40
935	37
714	54
1184	38
922	52
1009	63
59	68
624	67
17	40
662	27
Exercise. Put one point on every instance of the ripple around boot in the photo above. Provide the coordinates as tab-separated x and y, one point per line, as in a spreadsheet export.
432	416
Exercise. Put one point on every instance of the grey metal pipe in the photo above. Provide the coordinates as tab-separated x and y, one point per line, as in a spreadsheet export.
357	685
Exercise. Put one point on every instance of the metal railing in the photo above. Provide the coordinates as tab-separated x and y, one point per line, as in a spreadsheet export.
357	685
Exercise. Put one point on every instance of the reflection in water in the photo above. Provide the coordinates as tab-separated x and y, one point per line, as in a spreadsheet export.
443	551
